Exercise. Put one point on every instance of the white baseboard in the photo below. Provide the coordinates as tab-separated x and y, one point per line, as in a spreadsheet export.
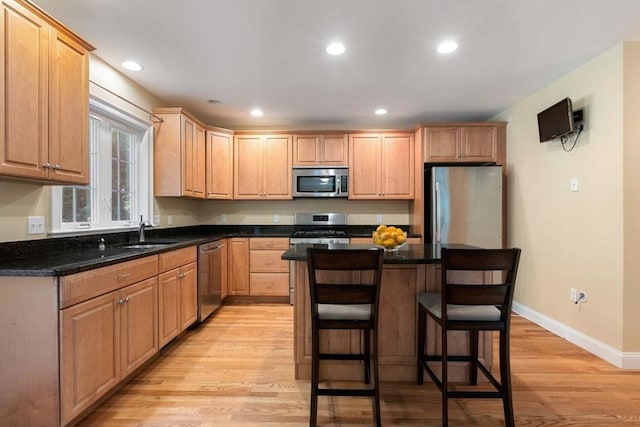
623	360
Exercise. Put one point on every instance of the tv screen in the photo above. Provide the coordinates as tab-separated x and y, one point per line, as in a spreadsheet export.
556	121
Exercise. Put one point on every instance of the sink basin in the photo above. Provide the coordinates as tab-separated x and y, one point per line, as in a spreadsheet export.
147	245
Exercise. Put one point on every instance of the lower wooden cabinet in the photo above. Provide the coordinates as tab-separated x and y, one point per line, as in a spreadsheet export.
177	293
268	274
255	267
103	340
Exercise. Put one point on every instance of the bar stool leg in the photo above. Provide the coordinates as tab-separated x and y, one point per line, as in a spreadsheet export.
315	368
367	356
473	352
505	379
422	330
376	381
445	380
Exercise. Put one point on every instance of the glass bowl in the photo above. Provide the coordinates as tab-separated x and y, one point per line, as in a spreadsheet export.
393	249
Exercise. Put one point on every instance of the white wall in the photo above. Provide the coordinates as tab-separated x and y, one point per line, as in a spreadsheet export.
575	239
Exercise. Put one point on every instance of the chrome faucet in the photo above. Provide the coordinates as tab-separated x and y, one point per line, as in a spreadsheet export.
141	228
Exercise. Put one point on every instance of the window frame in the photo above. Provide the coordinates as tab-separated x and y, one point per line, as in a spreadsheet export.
142	178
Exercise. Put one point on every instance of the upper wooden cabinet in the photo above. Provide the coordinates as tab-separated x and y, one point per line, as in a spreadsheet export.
472	142
380	166
44	97
219	165
262	167
320	150
179	154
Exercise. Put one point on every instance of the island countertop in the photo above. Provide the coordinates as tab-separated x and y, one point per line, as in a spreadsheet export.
408	254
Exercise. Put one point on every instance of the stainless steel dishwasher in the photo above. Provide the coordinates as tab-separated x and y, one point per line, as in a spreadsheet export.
209	278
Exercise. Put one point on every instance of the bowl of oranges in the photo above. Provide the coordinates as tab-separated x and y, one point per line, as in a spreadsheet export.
389	238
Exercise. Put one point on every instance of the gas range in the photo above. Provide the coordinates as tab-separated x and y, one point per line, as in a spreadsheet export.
320	228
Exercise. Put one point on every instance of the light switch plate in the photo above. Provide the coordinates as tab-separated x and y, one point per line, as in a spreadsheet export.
573	184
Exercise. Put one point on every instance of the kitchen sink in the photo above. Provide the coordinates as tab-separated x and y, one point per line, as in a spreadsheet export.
147	245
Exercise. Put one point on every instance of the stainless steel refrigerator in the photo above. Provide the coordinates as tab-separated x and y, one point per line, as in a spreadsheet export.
463	204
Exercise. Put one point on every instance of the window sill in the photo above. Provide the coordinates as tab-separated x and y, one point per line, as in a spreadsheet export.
93	230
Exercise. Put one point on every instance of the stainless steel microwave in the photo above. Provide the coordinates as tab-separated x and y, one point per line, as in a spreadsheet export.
320	182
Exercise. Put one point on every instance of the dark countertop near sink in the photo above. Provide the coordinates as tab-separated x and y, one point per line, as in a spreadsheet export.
408	254
68	255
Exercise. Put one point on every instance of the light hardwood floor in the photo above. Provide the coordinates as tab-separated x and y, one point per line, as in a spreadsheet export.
237	370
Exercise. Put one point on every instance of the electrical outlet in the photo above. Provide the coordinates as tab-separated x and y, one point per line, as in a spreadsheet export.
223	218
378	219
156	220
276	219
170	219
573	295
582	296
35	225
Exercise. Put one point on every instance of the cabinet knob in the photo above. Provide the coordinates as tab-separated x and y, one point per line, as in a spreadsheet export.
57	167
46	165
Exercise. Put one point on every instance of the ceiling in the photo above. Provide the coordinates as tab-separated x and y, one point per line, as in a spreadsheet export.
271	54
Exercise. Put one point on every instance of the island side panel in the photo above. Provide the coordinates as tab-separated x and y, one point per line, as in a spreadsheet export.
397	338
29	356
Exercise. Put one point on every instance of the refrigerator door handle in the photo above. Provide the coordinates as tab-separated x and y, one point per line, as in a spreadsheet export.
437	212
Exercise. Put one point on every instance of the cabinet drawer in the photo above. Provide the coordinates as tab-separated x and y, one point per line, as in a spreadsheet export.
267	261
274	284
174	259
269	243
88	284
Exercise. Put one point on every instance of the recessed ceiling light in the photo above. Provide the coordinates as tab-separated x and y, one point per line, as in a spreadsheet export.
447	47
132	66
256	112
336	49
381	111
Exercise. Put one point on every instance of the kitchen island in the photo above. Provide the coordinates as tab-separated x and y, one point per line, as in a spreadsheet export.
412	269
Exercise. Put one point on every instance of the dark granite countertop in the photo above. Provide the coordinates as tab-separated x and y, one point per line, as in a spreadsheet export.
69	255
408	254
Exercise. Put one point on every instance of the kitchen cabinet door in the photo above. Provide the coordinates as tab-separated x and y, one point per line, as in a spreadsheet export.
224	269
248	167
193	180
177	301
69	111
219	167
238	264
442	144
479	144
168	306
139	321
277	171
89	352
188	295
397	158
364	166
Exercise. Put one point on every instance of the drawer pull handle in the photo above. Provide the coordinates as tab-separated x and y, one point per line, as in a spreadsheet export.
123	276
182	275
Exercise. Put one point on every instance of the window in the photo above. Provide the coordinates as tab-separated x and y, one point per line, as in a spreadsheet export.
120	167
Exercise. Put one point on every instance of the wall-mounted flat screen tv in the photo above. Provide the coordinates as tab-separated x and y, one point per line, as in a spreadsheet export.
556	121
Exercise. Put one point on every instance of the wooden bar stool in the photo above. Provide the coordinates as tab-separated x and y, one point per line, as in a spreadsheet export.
344	286
467	303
